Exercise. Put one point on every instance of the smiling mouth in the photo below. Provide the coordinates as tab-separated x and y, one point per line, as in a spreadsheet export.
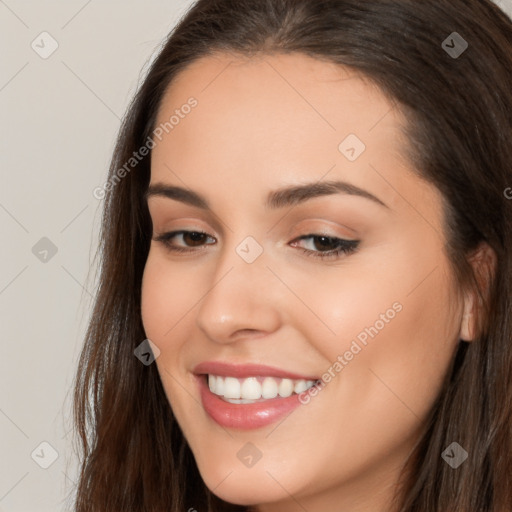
255	389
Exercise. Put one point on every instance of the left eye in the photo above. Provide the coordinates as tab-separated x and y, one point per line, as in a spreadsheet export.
323	246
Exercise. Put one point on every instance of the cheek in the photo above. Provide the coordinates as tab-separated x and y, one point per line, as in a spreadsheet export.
396	342
167	296
167	305
388	330
418	346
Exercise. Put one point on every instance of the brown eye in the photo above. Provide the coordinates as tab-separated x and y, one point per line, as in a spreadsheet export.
322	246
192	238
325	243
181	241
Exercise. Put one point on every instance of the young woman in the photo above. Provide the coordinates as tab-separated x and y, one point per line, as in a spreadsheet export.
305	296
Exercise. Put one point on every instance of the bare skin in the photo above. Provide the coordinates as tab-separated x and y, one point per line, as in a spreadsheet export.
262	124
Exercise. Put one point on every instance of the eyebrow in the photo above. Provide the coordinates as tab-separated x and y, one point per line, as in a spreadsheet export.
288	196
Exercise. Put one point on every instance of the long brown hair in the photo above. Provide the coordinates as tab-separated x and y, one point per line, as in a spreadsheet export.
459	110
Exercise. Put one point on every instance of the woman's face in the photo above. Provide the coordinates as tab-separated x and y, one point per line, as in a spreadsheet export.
278	159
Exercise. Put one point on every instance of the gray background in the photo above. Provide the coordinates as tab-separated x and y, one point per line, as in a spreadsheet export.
59	119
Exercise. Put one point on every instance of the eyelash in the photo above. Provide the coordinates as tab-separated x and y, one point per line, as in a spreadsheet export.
344	246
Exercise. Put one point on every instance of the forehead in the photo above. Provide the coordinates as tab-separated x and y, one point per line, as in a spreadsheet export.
280	90
276	119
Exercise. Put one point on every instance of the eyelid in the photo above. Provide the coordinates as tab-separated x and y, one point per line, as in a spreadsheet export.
169	217
167	224
319	227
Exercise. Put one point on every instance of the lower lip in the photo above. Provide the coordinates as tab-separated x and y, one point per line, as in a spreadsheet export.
245	416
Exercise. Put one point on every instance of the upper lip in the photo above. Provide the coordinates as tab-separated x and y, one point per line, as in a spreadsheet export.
224	369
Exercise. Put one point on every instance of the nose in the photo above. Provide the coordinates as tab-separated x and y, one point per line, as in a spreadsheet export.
242	301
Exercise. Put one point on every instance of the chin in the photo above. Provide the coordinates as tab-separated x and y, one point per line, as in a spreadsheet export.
243	486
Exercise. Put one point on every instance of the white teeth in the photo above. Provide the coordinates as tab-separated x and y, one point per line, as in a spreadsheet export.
231	387
251	389
269	388
211	382
286	388
239	401
219	386
300	386
248	390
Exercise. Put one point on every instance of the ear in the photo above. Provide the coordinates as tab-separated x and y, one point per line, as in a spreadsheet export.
468	322
483	261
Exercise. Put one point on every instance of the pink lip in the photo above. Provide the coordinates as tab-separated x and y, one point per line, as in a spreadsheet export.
245	370
244	416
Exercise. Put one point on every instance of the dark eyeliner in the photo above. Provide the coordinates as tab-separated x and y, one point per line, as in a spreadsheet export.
165	238
344	247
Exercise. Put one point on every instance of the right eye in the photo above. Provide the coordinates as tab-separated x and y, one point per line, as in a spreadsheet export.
187	240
